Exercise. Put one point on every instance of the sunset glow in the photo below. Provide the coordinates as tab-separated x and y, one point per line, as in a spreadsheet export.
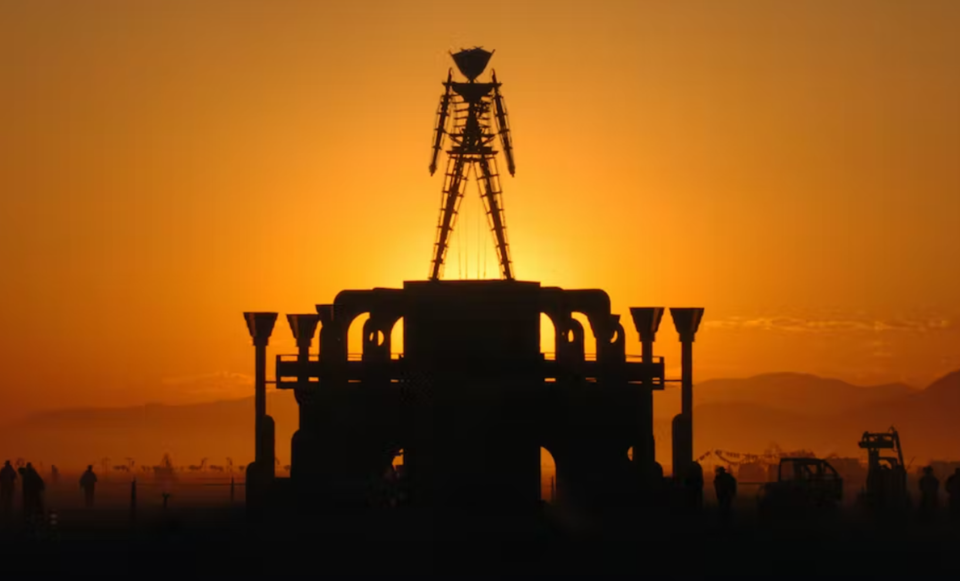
792	169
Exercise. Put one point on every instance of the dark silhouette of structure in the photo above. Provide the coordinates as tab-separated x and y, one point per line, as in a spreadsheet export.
473	104
886	475
262	470
804	484
687	322
472	399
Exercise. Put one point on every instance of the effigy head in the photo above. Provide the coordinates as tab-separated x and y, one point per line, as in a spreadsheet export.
472	62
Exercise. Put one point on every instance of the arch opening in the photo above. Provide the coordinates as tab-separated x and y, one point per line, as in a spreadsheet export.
355	336
589	339
548	333
548	476
396	339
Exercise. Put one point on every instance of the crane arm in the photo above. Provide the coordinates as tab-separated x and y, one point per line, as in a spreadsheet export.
440	130
502	126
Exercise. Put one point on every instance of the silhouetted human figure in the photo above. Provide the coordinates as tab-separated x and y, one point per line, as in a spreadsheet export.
33	487
725	486
8	477
54	474
953	492
88	483
929	490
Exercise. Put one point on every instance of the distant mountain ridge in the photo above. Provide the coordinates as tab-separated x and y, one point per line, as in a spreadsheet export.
748	415
790	392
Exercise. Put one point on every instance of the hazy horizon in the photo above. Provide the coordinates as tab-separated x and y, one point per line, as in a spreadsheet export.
242	388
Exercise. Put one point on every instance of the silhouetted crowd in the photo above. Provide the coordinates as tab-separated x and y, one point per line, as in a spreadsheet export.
32	488
930	494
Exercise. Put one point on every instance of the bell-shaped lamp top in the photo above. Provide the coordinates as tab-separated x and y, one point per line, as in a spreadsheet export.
260	326
325	312
687	321
472	62
303	327
647	321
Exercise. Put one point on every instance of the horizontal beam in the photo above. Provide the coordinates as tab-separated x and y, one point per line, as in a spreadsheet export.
288	371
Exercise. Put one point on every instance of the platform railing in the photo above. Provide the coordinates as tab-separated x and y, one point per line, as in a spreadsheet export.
547	356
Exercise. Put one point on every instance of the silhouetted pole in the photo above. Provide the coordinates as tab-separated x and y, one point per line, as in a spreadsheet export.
133	501
233	489
686	374
304	328
647	322
686	321
260	326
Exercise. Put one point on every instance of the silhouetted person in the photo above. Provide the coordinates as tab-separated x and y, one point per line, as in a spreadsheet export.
725	486
88	483
953	492
8	477
929	490
32	492
54	474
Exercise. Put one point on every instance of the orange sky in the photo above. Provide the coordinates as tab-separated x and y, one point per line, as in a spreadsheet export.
792	167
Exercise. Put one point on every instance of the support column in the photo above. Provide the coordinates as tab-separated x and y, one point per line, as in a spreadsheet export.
647	322
686	321
263	468
302	451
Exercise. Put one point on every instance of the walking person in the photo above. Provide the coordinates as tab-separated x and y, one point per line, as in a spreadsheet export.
8	477
929	490
953	493
725	486
33	486
88	483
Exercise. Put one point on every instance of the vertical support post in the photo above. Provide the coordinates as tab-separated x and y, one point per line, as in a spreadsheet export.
303	327
133	501
686	375
260	386
687	322
260	326
647	322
